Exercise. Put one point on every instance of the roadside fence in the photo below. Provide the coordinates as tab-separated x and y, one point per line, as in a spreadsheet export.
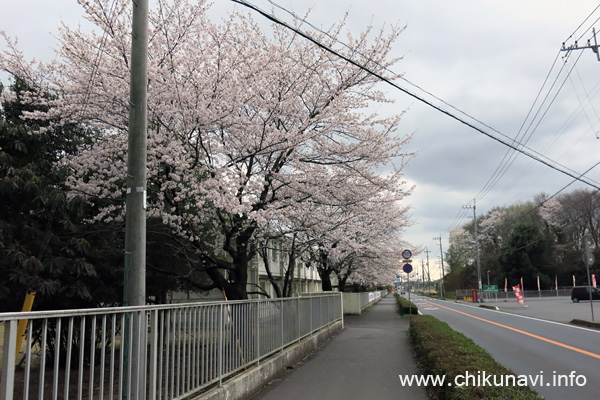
467	295
150	352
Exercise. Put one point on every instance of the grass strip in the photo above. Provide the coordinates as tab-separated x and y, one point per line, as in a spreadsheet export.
441	351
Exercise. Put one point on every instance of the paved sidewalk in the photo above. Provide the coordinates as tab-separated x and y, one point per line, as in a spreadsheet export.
362	362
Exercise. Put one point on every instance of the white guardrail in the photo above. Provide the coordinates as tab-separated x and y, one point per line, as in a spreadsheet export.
154	352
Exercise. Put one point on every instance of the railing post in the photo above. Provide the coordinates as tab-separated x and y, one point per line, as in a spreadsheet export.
153	362
220	360
311	298
298	317
9	359
342	309
281	319
258	332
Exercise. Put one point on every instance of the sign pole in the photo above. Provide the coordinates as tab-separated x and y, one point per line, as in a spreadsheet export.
406	254
589	260
409	307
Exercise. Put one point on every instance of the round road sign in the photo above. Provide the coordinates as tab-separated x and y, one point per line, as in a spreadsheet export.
407	268
406	254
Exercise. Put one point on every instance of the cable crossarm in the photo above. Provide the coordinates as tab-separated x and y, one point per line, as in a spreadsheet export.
413	95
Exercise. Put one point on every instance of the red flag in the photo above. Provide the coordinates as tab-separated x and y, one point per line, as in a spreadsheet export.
594	280
519	295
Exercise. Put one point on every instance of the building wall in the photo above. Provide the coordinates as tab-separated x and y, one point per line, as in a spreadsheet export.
305	279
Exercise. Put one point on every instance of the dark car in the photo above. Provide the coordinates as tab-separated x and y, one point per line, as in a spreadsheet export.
583	293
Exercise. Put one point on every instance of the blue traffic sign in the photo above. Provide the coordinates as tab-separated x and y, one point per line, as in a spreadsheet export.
407	268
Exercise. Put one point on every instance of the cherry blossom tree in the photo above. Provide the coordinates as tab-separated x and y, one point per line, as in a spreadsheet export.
246	129
359	238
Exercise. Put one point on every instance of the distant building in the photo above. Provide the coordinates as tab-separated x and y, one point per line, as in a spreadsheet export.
305	280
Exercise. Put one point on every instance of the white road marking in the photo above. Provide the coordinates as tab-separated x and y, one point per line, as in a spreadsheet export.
533	318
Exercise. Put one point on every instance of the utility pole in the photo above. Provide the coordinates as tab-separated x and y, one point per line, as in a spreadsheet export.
135	205
474	207
588	257
442	259
576	46
423	272
428	275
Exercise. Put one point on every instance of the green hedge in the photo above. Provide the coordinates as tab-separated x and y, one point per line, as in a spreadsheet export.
405	307
443	351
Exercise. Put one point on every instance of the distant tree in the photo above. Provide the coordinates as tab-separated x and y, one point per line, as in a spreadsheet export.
567	218
526	255
44	245
458	257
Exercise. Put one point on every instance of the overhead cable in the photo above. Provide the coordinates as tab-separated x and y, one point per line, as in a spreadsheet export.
415	96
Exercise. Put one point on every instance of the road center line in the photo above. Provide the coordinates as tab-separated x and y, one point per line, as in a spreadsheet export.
554	342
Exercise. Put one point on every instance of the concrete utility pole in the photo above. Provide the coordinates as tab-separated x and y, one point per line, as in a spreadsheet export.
135	206
135	211
588	257
428	275
423	272
474	207
442	259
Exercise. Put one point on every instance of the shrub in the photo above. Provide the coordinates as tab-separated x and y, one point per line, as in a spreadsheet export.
443	351
405	307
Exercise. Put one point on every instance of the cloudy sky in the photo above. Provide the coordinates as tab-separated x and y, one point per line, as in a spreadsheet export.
487	58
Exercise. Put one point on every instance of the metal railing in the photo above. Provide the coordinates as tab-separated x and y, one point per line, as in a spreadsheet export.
154	352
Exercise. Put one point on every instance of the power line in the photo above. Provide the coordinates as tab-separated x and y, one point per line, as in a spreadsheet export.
520	216
508	159
580	25
457	219
531	130
96	63
417	97
438	108
510	156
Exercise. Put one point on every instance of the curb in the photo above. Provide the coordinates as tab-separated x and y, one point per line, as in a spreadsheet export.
489	307
587	324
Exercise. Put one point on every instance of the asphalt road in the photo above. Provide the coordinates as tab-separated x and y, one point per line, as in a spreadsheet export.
542	349
560	309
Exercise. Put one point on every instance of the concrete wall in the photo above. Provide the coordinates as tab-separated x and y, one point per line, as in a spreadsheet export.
351	303
354	303
244	385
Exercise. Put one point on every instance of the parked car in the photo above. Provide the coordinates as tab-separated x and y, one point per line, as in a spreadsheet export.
583	293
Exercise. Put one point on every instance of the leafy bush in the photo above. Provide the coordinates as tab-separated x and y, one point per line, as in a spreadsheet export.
443	351
405	307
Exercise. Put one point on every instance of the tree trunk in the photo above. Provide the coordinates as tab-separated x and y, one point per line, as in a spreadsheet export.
289	274
325	279
342	283
264	254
